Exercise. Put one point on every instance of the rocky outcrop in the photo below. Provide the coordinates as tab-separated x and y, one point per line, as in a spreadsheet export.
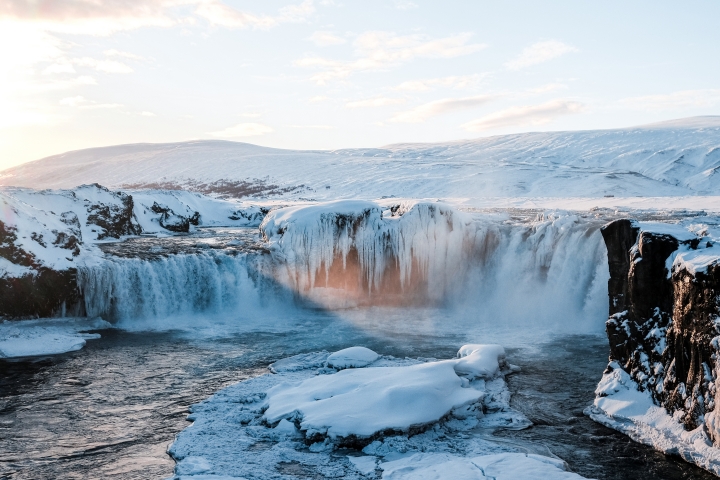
115	218
174	222
664	318
37	291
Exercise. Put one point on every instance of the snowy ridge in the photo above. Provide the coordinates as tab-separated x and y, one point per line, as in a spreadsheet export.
672	159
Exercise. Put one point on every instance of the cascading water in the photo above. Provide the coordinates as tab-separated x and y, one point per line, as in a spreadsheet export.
492	267
127	288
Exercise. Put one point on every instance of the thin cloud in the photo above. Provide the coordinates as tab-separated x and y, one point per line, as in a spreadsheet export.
405	5
326	39
119	53
147	114
314	127
681	99
92	17
539	53
456	82
374	102
243	130
423	112
82	103
107	66
526	115
383	50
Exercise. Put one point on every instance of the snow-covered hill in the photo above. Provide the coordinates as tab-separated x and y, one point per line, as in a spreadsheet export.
676	158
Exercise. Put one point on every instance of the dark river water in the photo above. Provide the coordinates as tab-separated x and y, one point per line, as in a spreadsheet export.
111	409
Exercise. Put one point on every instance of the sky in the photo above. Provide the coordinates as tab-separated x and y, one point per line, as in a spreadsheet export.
327	74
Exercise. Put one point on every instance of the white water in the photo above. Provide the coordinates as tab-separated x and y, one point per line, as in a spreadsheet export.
485	268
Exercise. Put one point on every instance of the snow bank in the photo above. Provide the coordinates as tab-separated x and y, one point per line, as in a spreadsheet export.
30	338
502	466
620	405
232	435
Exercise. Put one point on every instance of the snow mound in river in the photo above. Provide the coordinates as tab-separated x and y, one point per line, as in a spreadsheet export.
241	432
353	357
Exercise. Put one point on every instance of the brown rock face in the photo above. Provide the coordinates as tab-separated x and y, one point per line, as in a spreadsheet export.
662	329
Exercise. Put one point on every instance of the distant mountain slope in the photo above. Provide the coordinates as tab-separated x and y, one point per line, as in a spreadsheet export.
680	157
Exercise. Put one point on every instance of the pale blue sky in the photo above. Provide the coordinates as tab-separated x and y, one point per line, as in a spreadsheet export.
344	73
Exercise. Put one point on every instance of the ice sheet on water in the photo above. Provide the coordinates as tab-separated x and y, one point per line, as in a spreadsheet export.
30	338
501	466
232	435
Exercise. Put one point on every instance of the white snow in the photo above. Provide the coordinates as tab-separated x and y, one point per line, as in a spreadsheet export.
230	435
353	357
363	402
620	405
501	466
30	338
675	159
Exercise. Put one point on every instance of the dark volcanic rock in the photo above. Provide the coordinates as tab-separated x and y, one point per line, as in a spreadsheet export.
170	220
115	219
42	293
46	293
663	326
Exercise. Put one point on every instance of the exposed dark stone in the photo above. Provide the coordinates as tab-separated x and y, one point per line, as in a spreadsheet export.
115	220
173	222
46	293
662	328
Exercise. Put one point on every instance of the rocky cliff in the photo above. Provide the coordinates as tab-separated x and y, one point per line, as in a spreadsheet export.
664	293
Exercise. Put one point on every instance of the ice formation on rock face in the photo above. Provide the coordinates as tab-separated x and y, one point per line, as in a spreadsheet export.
426	245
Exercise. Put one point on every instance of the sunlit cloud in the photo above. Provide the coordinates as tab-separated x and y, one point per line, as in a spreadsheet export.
525	115
147	114
243	130
107	66
539	53
383	50
118	53
81	102
374	102
456	82
424	112
325	39
93	17
313	127
683	99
